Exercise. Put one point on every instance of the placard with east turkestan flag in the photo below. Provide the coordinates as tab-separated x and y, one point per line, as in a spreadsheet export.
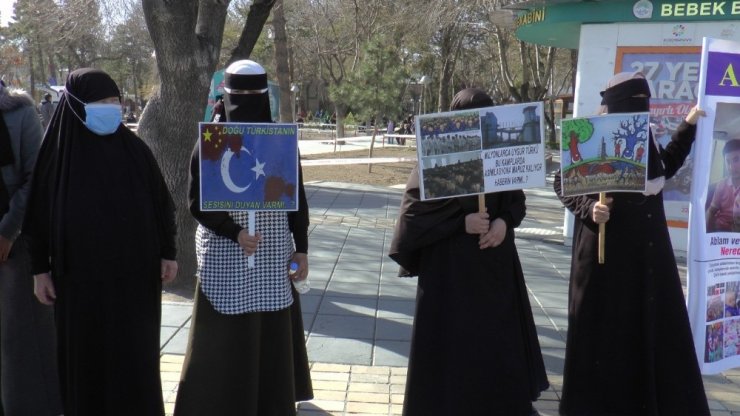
248	166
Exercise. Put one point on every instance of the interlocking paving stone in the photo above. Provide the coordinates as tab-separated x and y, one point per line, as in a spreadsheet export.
359	314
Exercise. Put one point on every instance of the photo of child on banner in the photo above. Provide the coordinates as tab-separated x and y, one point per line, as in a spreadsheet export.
606	153
723	196
492	149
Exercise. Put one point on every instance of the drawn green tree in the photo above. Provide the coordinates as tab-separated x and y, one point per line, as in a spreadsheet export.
579	129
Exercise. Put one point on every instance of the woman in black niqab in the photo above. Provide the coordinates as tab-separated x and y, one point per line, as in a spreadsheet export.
102	238
246	351
629	349
458	364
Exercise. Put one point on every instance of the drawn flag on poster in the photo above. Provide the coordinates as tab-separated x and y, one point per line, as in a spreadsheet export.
248	167
482	150
714	215
606	153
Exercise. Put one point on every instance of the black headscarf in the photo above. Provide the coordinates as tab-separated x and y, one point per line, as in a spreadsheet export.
470	98
251	107
91	195
623	97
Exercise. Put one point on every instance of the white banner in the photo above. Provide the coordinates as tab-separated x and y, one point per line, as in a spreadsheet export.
714	223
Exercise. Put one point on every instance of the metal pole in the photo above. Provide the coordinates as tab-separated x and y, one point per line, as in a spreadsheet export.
421	99
293	106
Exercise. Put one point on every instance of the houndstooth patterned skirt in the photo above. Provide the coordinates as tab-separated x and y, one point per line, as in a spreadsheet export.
227	281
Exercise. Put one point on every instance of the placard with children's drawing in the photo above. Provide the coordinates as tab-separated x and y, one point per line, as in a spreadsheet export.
606	153
482	150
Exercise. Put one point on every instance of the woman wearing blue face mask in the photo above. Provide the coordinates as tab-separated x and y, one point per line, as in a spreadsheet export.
102	117
101	226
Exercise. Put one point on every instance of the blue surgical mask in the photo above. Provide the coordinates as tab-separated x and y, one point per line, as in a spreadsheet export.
101	119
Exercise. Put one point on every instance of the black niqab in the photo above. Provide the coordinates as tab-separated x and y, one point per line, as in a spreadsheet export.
248	108
623	97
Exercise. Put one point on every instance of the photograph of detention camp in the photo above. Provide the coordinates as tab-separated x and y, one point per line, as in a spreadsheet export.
452	132
510	125
449	146
604	153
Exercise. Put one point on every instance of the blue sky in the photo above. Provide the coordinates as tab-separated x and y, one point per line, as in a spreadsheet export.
6	11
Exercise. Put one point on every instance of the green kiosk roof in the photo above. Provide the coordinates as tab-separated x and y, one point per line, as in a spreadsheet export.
558	22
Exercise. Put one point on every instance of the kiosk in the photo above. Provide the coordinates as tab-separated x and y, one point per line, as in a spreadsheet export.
659	38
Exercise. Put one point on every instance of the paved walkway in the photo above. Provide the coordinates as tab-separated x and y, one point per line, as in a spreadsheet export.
358	314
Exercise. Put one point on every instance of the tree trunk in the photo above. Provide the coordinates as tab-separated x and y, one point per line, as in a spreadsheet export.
187	38
41	66
187	41
451	45
573	64
447	69
340	109
550	120
33	79
287	109
372	145
259	11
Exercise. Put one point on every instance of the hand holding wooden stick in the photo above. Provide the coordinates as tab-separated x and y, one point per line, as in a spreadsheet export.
600	215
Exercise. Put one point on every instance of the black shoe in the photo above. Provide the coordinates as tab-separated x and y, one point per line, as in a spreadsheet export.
533	412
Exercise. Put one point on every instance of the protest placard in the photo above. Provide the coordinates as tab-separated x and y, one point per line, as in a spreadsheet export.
478	151
248	167
605	153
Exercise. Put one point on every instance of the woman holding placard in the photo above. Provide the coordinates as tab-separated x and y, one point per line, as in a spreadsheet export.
474	348
629	349
246	352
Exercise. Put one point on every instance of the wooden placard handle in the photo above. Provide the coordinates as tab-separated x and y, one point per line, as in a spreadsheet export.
602	231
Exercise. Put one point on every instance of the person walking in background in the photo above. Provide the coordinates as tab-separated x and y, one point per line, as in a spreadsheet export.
391	130
474	347
246	352
29	382
630	349
46	109
101	226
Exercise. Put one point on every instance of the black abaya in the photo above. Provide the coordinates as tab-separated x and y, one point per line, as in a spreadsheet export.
101	220
629	349
474	347
248	363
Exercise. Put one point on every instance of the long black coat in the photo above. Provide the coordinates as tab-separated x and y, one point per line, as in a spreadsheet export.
629	348
100	219
474	349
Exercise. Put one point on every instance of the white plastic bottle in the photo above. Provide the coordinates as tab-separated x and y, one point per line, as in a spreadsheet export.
301	286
